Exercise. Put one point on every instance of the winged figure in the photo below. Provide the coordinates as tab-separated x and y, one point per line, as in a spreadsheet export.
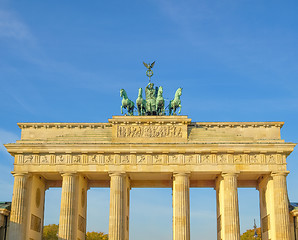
149	66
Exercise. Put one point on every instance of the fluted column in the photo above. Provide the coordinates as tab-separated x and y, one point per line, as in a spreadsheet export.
117	206
181	219
231	210
18	210
296	226
281	206
67	228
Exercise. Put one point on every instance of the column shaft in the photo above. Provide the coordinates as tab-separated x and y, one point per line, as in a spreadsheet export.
67	219
281	206
231	210
296	226
181	218
18	215
117	206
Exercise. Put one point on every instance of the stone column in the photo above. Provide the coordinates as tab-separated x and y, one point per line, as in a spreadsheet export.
18	209
67	228
230	207
181	219
117	206
296	226
281	206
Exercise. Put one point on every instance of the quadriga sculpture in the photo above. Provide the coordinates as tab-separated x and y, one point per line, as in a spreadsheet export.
126	103
160	102
141	103
175	103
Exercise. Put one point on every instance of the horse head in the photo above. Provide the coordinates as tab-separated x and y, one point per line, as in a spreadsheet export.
160	91
179	92
140	92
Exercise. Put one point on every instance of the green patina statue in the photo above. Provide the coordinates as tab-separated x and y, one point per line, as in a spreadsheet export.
126	103
150	92
141	103
175	103
154	104
160	102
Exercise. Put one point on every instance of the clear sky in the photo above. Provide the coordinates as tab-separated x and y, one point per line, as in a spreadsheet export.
65	61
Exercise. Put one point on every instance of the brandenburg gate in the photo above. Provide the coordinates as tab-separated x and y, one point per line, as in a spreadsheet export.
149	151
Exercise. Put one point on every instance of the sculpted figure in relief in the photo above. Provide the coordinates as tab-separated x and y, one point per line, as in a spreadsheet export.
44	159
76	159
61	158
93	158
156	159
254	158
271	159
141	159
125	159
28	159
222	158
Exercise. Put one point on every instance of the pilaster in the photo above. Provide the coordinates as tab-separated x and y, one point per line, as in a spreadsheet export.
18	209
181	216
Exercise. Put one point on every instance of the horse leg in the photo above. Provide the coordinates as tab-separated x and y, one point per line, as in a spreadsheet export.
121	109
139	109
180	109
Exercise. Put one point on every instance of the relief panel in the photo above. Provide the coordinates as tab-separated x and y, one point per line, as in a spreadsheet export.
141	159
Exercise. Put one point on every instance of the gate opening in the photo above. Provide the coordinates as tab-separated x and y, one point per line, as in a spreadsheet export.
249	208
203	213
98	205
151	214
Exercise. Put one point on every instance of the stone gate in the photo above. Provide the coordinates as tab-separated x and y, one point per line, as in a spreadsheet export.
149	151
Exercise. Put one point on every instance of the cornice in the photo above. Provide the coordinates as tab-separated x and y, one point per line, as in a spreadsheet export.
63	125
282	148
237	124
149	120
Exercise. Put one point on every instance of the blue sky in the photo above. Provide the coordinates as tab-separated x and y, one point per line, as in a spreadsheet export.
65	61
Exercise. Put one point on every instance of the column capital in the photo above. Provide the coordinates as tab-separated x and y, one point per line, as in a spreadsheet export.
283	173
294	213
181	174
112	174
68	174
231	174
21	174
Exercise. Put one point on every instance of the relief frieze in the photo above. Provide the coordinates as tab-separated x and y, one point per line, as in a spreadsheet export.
150	159
160	131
